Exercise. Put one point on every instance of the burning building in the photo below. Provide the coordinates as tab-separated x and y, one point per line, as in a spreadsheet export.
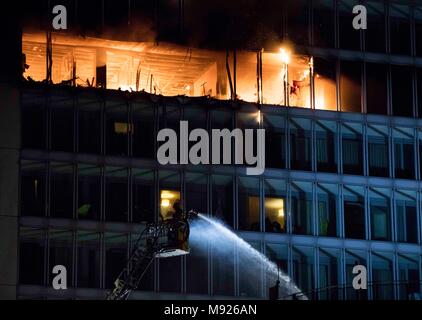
341	109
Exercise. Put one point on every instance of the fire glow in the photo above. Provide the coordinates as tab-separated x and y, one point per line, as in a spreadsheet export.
172	70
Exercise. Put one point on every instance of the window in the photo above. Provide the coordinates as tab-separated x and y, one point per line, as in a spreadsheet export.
325	84
33	188
382	276
353	258
375	32
116	194
222	198
354	212
378	151
277	253
419	89
408	276
31	256
89	127
275	206
143	130
376	88
380	214
323	23
62	124
89	192
417	13
404	161
34	125
303	267
115	256
352	148
143	200
248	204
169	192
406	218
329	269
61	190
327	209
297	21
301	207
61	253
197	268
300	144
350	86
196	192
402	91
117	128
400	29
88	244
249	271
326	146
349	37
275	141
223	269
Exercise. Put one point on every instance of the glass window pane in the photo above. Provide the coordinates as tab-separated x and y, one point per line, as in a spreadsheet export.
169	193
117	128
33	188
323	23
297	21
301	207
116	194
329	272
352	148
404	161
325	84
353	258
115	256
375	32
300	144
89	192
326	146
34	125
196	192
275	206
409	287
382	277
248	204
143	196
418	29
61	252
350	86
222	198
402	91
89	126
378	151
88	246
223	269
349	37
275	141
406	218
31	256
354	212
376	88
62	128
327	195
303	268
143	130
61	190
380	214
400	28
250	272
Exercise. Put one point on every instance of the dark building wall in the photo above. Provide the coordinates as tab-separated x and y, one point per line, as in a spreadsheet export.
10	72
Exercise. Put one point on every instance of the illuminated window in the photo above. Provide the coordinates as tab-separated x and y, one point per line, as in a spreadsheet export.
167	200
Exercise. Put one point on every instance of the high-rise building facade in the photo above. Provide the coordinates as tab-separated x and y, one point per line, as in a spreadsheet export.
342	113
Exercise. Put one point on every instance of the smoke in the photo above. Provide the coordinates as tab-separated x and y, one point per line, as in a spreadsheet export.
211	231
